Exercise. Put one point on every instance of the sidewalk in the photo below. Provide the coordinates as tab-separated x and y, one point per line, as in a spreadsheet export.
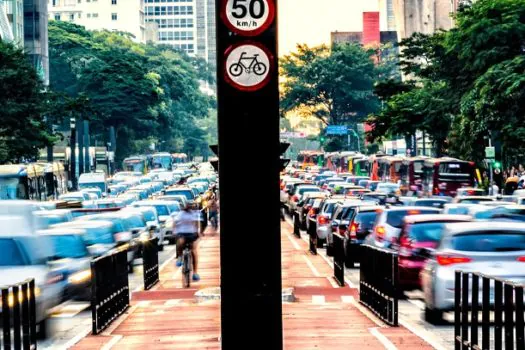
323	316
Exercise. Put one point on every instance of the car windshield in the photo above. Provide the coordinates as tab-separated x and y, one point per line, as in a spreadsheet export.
98	235
186	193
395	217
302	191
490	241
347	213
475	200
426	232
68	246
11	253
136	221
162	210
366	220
328	208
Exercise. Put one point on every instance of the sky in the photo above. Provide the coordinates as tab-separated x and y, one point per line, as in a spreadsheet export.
311	21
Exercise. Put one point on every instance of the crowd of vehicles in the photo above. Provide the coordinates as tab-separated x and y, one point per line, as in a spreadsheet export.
54	240
443	224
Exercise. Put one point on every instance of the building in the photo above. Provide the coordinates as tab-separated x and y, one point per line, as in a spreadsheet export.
388	20
12	21
423	16
114	15
35	36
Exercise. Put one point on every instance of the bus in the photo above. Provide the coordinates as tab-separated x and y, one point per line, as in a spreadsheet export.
444	176
389	169
179	158
361	166
136	164
161	160
412	175
310	158
35	181
374	166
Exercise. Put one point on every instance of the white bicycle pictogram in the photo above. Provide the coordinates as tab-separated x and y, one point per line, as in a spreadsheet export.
259	68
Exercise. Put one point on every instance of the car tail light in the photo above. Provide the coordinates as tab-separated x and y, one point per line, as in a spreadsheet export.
446	260
380	232
322	220
353	229
311	212
295	198
521	259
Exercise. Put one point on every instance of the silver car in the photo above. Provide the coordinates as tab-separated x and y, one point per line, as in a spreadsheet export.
323	226
495	248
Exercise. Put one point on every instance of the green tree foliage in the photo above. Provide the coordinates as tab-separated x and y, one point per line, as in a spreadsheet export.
468	82
144	91
23	104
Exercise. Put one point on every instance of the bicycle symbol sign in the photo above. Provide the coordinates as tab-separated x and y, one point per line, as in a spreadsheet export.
248	17
248	66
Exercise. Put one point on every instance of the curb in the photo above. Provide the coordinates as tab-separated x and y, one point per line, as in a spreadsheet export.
214	293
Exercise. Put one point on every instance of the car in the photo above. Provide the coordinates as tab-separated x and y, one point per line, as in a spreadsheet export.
495	248
109	203
379	198
355	179
178	198
470	191
95	191
47	218
501	213
360	225
183	190
425	202
474	199
323	219
343	213
311	216
26	256
298	194
146	224
326	182
75	197
304	206
389	223
165	210
71	257
141	193
418	233
388	188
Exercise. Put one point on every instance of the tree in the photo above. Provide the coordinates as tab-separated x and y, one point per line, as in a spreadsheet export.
334	85
23	99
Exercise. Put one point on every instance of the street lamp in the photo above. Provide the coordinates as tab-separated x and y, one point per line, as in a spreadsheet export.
72	145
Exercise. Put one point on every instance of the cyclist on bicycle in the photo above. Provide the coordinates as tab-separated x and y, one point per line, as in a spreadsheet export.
186	228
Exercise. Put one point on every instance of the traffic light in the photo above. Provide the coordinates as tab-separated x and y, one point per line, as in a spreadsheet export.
497	165
322	139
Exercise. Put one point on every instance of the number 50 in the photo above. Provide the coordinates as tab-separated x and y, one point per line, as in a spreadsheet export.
240	5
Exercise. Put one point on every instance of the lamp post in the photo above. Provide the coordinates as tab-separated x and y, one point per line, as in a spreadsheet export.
72	145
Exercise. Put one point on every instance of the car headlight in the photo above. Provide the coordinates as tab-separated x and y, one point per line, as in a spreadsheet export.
80	277
11	298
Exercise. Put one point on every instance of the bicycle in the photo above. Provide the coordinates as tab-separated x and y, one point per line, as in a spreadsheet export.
257	67
187	264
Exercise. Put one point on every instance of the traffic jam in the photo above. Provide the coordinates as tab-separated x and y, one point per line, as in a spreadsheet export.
429	211
54	240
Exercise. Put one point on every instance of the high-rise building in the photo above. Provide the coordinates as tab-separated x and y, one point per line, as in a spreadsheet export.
388	20
12	21
117	15
35	36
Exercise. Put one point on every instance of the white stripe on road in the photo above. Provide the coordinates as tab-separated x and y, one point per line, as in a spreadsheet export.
318	299
382	339
366	312
311	266
294	243
333	282
347	299
112	342
423	334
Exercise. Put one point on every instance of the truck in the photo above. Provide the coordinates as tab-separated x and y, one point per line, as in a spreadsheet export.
91	180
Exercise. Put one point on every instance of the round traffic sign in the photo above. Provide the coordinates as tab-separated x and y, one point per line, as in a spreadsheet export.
247	66
248	17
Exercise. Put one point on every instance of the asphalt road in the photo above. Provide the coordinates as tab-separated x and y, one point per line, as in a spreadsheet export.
71	320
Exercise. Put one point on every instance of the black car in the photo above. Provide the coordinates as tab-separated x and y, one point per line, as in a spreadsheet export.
359	227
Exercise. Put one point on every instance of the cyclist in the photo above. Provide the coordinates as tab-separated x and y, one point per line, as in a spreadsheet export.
186	228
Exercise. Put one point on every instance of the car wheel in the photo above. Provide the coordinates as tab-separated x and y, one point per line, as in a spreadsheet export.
434	317
42	330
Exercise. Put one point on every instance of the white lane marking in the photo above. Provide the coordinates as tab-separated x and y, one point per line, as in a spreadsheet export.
112	342
318	299
311	266
294	243
84	333
172	302
143	303
384	340
347	299
366	312
332	282
418	303
70	309
423	334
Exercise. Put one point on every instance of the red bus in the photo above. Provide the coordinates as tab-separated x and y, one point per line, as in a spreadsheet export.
389	169
443	176
412	174
310	158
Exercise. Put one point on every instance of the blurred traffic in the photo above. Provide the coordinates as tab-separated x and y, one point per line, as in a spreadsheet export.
51	234
437	214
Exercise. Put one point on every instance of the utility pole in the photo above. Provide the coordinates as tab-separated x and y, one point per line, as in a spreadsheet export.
87	162
73	145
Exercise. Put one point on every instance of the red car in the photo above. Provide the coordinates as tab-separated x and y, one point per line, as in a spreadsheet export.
419	232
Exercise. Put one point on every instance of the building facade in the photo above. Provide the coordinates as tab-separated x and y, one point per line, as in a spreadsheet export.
114	15
12	21
35	36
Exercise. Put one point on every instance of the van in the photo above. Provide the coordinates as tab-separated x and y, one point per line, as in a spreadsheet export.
90	180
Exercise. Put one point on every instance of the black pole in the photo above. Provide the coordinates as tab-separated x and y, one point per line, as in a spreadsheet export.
87	162
72	145
251	311
80	138
113	148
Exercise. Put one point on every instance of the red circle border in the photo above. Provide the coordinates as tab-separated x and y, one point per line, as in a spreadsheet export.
261	29
257	86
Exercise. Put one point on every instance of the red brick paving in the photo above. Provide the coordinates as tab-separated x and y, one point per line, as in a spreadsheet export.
168	317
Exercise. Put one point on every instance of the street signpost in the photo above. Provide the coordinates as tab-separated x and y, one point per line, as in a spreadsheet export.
490	152
248	99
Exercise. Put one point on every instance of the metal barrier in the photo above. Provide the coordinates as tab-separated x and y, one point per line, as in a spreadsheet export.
313	239
379	281
18	306
109	289
339	259
507	304
150	263
296	229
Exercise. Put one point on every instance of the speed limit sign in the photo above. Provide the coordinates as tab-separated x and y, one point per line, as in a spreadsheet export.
248	17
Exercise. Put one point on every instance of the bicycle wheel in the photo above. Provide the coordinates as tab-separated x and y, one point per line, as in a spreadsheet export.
259	68
186	269
235	69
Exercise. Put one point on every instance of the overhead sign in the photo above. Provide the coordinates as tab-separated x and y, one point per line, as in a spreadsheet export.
248	66
296	135
490	152
248	17
336	130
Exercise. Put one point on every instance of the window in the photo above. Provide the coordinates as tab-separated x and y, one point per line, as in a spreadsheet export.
113	16
113	2
72	17
54	2
57	16
79	1
95	15
89	15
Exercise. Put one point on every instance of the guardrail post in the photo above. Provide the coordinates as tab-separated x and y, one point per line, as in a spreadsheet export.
464	310
150	263
17	340
520	326
25	316
312	233
485	313
296	229
6	318
509	316
339	259
32	312
457	310
498	317
475	310
395	290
